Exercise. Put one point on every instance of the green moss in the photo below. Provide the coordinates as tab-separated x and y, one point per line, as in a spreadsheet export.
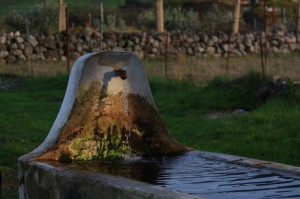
109	144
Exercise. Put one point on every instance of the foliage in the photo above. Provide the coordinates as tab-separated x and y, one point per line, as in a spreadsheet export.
174	19
41	18
216	17
112	22
284	15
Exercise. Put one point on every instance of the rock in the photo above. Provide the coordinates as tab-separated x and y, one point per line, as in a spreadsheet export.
13	46
285	51
137	48
2	40
140	54
224	47
41	57
17	34
241	47
33	41
189	40
292	46
155	44
63	58
85	47
151	55
51	55
2	47
236	52
135	39
21	46
33	57
118	49
274	49
247	42
20	40
27	51
2	61
75	55
17	52
129	43
49	43
21	58
79	48
210	50
11	59
201	49
3	54
274	42
154	50
190	51
203	37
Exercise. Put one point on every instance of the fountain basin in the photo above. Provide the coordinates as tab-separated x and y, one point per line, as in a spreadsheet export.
191	174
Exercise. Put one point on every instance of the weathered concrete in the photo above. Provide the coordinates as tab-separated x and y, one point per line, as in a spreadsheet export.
52	179
42	180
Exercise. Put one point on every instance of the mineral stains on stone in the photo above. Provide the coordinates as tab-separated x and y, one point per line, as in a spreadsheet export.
98	128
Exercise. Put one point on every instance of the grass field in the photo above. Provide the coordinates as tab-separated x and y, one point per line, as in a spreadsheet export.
198	109
8	5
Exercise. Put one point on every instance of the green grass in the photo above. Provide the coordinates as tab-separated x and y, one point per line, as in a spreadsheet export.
8	5
27	114
269	131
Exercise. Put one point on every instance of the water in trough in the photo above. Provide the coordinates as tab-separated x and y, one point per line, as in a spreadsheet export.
194	174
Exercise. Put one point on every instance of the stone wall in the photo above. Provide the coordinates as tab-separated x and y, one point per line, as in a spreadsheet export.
15	48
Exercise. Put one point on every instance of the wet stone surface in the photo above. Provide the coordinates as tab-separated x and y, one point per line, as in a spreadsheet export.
194	174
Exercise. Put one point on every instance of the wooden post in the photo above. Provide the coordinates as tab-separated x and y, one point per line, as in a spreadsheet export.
62	16
166	52
101	25
67	38
236	16
29	45
159	15
89	24
298	17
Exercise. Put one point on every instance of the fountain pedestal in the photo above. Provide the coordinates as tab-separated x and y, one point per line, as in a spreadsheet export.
107	112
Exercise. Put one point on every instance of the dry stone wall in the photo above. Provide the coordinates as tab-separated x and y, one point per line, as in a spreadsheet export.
19	48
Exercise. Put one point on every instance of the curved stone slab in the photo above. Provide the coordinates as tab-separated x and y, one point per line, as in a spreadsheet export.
104	115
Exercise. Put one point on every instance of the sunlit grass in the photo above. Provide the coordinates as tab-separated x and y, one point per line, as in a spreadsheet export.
201	70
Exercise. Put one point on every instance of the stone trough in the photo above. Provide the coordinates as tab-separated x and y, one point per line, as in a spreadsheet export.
108	141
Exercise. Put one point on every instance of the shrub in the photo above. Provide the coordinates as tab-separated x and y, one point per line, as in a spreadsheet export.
174	18
216	17
41	18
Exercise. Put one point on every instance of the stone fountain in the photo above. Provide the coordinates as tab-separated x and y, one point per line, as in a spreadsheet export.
107	122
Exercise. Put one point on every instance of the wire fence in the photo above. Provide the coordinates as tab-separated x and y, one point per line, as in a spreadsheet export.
270	57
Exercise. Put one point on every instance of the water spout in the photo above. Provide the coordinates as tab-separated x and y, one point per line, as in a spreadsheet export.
121	73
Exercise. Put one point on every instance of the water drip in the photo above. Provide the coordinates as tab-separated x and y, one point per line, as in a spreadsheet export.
125	99
126	114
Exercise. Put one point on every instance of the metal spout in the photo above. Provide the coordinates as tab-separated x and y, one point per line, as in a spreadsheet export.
121	73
